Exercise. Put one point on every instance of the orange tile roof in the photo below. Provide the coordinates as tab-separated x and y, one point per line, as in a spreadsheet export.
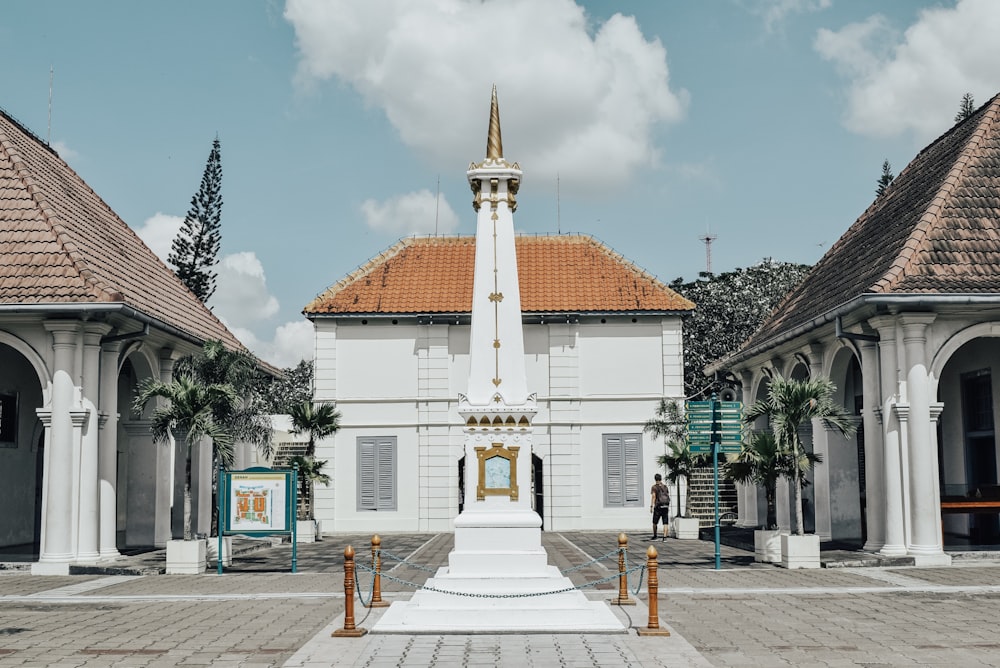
61	243
936	230
564	273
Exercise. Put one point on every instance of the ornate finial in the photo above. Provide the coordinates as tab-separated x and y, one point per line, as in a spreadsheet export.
494	146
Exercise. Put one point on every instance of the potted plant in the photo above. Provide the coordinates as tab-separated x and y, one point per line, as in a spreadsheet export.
188	415
761	462
317	422
788	406
678	462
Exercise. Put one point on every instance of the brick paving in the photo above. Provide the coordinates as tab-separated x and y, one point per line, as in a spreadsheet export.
258	614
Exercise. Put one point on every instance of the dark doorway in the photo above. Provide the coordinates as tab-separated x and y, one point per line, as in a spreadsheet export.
980	451
39	472
538	487
461	484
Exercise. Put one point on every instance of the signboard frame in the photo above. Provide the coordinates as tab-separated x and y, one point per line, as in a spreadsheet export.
271	505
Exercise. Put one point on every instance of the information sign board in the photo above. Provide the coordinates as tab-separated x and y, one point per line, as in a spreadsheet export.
258	502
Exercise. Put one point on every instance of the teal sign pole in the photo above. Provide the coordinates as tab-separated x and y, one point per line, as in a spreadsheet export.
715	427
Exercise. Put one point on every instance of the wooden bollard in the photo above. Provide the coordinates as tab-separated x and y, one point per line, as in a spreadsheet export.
652	588
349	630
623	597
377	601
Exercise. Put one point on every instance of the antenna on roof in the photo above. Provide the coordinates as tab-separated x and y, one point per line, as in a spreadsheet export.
558	207
52	71
707	239
437	205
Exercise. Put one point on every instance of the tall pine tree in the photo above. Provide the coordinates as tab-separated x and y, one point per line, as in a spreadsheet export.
966	108
885	179
195	250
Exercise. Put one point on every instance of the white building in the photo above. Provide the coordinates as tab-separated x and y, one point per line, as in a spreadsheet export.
602	344
903	315
87	313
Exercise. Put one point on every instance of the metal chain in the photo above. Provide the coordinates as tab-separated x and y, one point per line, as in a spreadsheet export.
478	595
402	560
361	596
591	562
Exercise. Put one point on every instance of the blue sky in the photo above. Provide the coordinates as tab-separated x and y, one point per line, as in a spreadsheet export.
764	122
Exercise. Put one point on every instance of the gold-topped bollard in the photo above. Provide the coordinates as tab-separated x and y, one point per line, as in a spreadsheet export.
652	588
623	597
377	601
349	630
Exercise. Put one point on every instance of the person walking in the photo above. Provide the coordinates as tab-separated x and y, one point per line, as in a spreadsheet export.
659	504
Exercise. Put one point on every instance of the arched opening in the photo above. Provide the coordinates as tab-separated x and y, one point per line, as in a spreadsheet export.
538	487
801	372
22	441
845	455
969	464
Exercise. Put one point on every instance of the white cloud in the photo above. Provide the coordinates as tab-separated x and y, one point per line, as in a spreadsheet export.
774	12
292	343
578	100
914	83
242	300
412	213
159	232
64	151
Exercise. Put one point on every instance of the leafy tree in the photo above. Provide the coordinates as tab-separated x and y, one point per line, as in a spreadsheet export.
679	462
886	178
189	416
966	108
293	387
248	420
318	422
310	473
729	307
195	250
789	405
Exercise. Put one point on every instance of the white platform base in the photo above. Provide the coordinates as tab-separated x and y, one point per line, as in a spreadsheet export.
212	549
186	557
685	528
50	568
930	560
498	554
305	531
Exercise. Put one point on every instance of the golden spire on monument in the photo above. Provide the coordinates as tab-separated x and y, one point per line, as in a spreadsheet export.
494	145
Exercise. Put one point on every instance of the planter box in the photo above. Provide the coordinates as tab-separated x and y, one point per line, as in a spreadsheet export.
186	557
227	549
685	528
767	546
800	551
305	531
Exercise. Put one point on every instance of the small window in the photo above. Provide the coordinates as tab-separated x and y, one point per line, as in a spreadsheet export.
623	470
377	473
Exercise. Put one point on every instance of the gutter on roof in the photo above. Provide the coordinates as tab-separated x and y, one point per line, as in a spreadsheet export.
919	301
126	311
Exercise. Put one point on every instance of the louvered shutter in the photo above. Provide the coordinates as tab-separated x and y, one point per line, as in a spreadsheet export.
613	473
366	474
386	470
633	471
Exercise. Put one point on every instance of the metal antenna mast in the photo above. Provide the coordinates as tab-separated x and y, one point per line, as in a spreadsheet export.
48	138
437	205
707	239
558	207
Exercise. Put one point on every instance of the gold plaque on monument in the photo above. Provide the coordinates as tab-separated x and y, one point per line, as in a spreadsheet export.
497	471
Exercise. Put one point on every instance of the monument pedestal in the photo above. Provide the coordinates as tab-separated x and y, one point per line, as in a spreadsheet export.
497	581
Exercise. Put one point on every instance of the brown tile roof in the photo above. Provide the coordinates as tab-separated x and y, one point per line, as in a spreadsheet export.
61	243
565	273
936	230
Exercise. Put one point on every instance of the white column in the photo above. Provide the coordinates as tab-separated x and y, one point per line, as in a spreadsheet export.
821	446
88	548
57	521
874	452
747	492
925	501
895	534
107	452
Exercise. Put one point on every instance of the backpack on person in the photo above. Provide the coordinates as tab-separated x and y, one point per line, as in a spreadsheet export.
662	495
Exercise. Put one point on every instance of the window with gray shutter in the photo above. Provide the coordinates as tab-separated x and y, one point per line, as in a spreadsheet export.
377	473
623	470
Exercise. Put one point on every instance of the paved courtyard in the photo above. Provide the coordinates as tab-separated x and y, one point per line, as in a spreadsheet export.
258	614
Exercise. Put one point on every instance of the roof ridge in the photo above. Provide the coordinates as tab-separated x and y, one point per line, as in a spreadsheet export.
101	291
367	266
931	216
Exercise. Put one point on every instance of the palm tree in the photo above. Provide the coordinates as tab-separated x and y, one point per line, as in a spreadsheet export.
190	416
678	460
318	422
789	405
762	462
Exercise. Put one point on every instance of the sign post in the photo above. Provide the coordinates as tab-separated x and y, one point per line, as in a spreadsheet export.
258	502
715	427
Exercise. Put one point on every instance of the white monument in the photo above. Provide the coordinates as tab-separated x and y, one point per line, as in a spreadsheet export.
498	554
